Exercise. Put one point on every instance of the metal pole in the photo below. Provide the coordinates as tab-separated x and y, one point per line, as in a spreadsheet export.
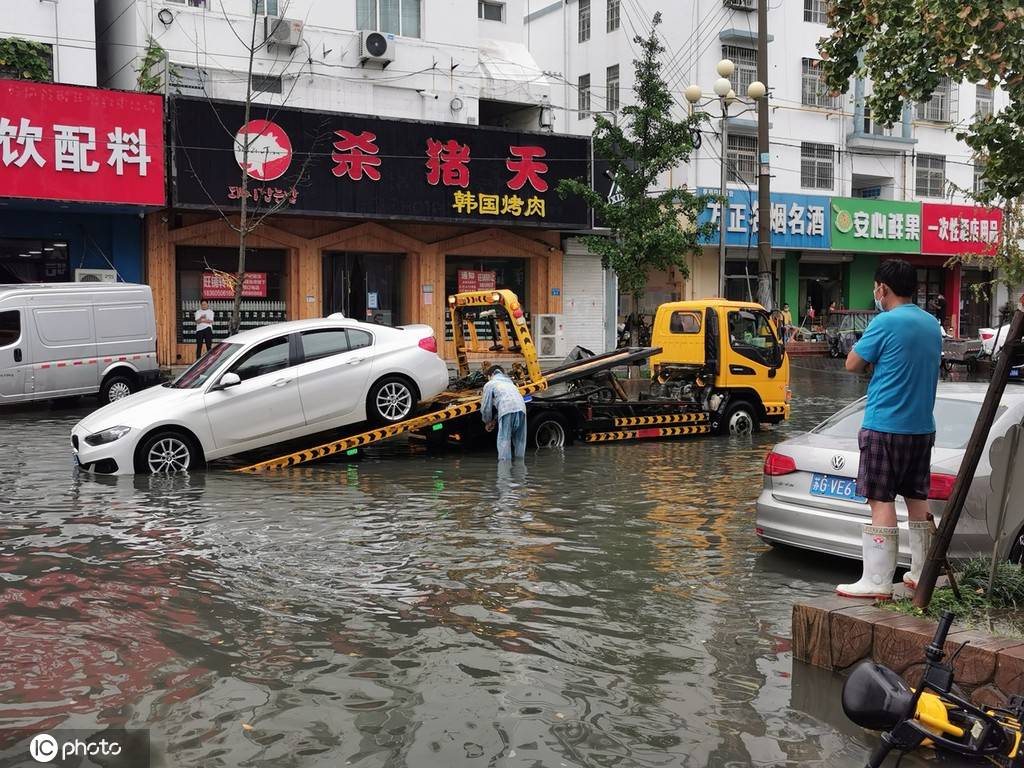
765	294
723	206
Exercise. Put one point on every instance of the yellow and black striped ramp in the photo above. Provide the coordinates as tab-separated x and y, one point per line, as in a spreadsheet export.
470	405
668	418
640	434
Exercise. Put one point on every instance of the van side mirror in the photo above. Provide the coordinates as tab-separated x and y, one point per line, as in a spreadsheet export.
227	380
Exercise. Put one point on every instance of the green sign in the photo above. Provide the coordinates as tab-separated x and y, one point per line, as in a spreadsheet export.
870	224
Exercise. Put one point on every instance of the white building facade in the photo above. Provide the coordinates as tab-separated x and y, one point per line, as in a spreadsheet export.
825	151
67	28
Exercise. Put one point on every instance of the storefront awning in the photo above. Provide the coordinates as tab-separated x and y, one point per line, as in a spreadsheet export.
510	73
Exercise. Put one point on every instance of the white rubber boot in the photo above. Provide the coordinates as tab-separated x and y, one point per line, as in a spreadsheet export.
921	532
880	548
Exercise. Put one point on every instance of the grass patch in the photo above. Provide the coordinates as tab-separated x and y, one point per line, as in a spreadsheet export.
999	612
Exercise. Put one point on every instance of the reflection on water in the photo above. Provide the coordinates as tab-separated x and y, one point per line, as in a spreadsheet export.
609	605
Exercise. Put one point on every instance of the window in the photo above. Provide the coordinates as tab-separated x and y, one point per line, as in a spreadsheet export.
202	369
979	175
317	345
10	327
266	84
817	165
745	60
874	127
742	158
684	322
813	91
983	102
490	11
751	335
265	358
584	93
931	175
611	98
396	17
264	7
936	108
584	21
612	17
359	339
191	3
816	11
189	81
13	73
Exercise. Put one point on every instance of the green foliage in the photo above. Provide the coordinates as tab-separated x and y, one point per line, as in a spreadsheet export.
152	67
25	60
977	608
650	229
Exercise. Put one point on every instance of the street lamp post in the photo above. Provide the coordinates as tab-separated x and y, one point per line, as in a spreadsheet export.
726	96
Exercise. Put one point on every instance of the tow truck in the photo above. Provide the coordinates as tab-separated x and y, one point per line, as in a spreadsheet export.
715	366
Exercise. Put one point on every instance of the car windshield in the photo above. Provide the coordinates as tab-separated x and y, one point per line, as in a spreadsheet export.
203	368
954	421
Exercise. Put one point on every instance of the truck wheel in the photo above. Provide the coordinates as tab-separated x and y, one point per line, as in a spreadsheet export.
392	399
548	430
117	386
740	418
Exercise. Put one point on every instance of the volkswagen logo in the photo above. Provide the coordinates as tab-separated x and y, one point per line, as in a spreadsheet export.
838	462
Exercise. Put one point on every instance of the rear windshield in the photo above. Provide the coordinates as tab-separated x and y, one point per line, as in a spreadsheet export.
954	420
201	370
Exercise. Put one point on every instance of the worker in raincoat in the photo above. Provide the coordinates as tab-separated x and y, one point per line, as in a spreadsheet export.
504	406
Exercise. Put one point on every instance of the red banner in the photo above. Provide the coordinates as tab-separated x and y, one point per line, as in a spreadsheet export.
473	280
254	287
960	229
66	142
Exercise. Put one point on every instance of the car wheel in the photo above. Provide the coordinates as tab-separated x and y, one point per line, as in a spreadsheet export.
116	387
548	430
1016	555
392	399
740	418
167	453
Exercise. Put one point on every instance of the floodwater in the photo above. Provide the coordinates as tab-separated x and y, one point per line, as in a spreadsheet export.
608	605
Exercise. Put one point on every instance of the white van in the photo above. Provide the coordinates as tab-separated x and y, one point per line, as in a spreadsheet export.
67	339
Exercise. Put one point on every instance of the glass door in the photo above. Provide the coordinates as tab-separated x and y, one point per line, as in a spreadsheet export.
363	286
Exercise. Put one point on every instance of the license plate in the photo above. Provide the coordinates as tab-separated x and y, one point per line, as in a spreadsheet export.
835	487
74	455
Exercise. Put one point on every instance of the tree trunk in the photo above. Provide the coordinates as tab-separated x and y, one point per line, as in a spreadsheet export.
243	220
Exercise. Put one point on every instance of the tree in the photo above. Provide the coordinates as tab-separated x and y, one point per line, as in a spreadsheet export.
22	59
649	229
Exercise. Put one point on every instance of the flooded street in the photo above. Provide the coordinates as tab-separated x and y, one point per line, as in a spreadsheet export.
605	606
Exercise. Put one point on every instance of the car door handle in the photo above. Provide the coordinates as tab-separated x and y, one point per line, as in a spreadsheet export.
354	361
281	382
17	355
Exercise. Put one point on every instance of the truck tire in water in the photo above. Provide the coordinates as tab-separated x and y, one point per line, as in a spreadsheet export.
740	418
547	430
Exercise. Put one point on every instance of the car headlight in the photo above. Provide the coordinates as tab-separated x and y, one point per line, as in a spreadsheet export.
107	435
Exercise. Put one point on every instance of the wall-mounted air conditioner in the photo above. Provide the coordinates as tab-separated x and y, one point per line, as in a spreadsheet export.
377	47
286	33
95	275
549	335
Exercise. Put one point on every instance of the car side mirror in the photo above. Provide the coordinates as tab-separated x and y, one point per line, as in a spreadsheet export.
228	380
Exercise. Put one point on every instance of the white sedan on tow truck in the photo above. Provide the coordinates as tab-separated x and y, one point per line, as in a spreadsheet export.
265	386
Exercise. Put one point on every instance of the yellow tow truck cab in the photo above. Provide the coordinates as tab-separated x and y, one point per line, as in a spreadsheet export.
727	353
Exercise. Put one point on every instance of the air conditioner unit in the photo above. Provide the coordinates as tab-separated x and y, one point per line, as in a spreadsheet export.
284	32
549	335
741	5
95	275
377	47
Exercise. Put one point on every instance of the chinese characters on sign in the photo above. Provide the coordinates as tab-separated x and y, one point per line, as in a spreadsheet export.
356	155
253	287
474	280
960	229
268	195
81	144
797	221
877	225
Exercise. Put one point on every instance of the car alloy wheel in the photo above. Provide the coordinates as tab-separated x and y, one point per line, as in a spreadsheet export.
394	401
118	390
169	455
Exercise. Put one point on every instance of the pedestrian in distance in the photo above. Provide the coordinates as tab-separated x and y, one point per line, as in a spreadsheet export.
503	405
204	328
787	322
903	344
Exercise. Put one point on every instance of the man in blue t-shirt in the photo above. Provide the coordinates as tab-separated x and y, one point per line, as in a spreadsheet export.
903	344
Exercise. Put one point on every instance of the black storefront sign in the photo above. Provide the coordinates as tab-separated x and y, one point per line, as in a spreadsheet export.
339	164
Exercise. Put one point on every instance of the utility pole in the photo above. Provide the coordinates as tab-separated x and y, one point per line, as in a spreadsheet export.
723	206
765	295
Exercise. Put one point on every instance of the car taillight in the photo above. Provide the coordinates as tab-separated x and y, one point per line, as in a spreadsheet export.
941	487
778	464
428	343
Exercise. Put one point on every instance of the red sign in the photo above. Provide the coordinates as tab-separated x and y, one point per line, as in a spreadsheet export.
263	150
254	287
67	142
472	280
960	229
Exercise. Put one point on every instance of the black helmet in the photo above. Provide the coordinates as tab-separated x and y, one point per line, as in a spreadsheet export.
875	697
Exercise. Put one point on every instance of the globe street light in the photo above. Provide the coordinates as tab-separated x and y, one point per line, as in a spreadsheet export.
725	96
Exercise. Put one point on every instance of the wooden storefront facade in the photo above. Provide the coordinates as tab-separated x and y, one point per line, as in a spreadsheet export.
425	252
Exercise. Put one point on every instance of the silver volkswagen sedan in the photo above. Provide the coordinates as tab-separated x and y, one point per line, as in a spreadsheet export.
810	496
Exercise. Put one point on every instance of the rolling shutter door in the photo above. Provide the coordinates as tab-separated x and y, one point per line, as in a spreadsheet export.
583	298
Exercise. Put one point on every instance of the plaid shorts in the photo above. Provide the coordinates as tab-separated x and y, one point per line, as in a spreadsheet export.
894	465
